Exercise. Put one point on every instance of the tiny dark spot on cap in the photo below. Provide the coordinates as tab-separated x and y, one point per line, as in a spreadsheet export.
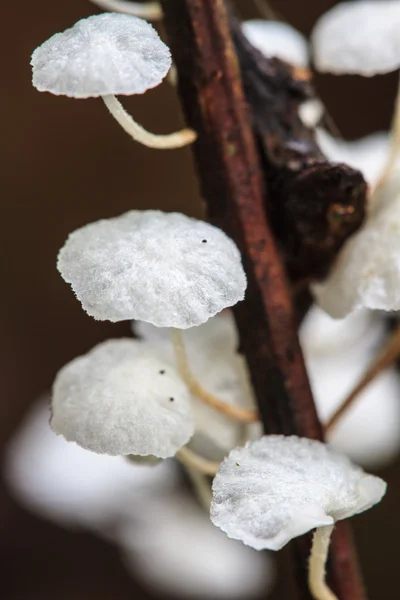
204	241
237	464
171	399
162	372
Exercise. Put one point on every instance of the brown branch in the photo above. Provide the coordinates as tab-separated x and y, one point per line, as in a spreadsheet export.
232	184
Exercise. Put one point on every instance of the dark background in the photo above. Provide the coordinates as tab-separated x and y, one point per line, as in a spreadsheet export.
64	163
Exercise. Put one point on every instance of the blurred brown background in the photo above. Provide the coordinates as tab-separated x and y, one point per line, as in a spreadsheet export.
64	163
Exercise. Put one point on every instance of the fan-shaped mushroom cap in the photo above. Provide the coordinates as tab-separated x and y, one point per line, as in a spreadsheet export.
164	268
275	38
280	487
103	54
121	399
358	38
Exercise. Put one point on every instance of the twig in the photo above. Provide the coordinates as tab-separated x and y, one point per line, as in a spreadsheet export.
233	187
385	359
198	463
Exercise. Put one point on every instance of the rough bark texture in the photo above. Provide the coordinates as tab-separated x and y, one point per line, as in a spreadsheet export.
233	187
313	205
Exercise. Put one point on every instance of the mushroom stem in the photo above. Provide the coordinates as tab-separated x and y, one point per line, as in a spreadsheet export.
394	148
316	566
385	359
198	463
151	11
201	487
138	133
238	414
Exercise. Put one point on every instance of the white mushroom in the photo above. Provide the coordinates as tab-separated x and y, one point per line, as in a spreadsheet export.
105	55
151	11
359	37
121	399
277	39
278	488
164	268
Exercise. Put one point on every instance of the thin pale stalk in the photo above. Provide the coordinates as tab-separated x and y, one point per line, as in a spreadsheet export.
317	564
151	11
233	412
201	488
198	463
385	359
138	133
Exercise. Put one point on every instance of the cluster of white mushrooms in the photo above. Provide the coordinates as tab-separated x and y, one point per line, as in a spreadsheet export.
157	396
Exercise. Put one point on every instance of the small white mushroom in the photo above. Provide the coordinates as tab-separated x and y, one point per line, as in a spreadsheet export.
164	268
105	55
151	11
278	488
358	38
121	399
278	39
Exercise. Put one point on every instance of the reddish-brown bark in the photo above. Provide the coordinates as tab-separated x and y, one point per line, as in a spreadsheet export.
233	186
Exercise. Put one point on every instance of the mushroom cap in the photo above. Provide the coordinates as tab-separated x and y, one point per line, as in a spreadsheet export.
367	271
164	268
278	39
120	399
280	487
358	38
104	54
